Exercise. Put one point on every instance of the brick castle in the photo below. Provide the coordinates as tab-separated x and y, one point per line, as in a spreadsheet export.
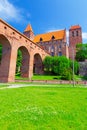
56	42
34	49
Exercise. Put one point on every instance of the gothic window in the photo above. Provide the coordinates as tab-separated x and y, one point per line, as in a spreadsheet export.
73	33
49	48
76	33
52	53
52	50
59	46
60	53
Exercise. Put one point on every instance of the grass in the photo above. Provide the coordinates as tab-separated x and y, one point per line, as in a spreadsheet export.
45	77
40	77
43	108
4	85
51	77
79	77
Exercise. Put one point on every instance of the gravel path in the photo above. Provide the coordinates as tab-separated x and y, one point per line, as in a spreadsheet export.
9	86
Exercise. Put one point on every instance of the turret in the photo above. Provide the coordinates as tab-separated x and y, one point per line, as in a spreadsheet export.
29	32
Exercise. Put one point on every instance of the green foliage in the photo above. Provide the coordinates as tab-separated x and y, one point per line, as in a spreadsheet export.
18	62
61	66
48	64
81	53
76	66
67	74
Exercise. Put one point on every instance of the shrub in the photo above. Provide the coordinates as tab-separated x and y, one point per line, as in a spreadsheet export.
67	74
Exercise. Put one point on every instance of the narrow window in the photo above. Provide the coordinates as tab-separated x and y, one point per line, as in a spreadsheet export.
73	34
59	46
52	53
76	33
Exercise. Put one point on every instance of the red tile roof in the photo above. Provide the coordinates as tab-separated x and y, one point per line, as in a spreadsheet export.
58	35
75	27
28	28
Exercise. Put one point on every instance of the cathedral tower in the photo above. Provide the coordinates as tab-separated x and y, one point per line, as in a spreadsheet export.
75	37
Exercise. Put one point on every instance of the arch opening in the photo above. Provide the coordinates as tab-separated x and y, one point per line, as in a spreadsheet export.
5	54
0	53
22	62
38	65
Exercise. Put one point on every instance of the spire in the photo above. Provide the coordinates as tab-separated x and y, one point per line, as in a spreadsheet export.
28	28
29	32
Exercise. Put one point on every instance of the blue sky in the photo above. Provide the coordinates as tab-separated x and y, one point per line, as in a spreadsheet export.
45	15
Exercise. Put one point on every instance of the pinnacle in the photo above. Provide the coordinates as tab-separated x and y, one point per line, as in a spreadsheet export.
28	28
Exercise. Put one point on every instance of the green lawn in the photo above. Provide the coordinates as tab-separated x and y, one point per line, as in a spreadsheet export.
51	77
43	108
45	77
41	77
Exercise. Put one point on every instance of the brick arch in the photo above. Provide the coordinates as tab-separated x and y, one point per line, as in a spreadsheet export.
28	47
25	61
38	65
5	60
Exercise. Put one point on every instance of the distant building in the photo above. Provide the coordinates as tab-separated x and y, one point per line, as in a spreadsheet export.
55	42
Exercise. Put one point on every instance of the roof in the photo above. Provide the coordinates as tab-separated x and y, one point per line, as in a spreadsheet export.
28	28
75	27
57	35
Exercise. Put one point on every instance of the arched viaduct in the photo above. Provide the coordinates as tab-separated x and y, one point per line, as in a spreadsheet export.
32	54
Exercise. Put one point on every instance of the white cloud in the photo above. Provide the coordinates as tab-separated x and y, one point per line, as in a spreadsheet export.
84	36
67	36
9	12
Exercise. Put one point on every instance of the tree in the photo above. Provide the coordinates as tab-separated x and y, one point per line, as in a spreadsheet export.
76	66
47	62
81	53
59	66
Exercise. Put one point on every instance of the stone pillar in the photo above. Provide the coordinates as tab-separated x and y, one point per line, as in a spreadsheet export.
25	66
12	67
25	62
31	66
